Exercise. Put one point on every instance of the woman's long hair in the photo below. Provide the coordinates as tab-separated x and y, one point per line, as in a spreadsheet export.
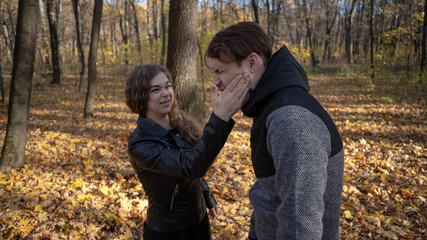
138	85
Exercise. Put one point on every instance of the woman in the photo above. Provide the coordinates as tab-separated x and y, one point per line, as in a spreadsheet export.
170	153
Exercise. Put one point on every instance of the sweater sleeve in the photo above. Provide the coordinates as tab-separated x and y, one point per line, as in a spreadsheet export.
299	143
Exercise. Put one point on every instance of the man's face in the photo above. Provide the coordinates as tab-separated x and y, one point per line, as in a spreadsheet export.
223	73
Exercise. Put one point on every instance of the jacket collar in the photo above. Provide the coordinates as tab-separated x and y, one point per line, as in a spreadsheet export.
151	128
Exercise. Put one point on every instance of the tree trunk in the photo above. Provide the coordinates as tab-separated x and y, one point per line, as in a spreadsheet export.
54	42
371	33
138	37
150	36
93	55
328	26
1	56
8	31
154	11
423	46
163	23
348	41
255	8
182	57
202	75
124	30
13	152
79	42
309	33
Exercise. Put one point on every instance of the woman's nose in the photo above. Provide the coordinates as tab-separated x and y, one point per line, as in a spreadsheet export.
165	92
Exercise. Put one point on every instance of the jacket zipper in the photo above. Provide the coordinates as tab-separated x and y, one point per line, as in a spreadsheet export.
175	191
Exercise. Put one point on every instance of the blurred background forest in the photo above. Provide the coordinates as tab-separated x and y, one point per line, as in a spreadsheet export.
67	170
319	32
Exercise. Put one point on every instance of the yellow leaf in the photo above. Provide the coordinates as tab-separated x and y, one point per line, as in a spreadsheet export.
126	204
107	191
348	215
38	208
77	183
92	228
374	220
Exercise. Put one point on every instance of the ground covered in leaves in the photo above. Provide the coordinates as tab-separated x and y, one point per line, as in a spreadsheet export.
77	185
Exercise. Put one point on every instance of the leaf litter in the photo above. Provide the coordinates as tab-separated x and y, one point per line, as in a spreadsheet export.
79	184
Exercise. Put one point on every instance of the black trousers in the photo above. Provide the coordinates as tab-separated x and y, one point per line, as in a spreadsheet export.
200	231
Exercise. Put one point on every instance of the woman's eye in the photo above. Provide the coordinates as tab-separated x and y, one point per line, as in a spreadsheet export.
154	90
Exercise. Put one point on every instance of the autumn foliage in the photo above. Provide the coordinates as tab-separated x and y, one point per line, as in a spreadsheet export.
78	183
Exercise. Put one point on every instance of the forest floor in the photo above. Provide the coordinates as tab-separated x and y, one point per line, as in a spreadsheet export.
76	183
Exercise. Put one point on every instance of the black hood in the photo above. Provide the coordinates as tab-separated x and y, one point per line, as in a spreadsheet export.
282	71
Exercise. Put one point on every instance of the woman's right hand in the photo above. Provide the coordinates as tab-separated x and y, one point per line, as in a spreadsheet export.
232	98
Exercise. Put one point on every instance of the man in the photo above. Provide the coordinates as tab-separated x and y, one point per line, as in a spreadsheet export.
297	153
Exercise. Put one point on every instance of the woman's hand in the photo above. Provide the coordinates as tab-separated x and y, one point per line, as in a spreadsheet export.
232	98
213	212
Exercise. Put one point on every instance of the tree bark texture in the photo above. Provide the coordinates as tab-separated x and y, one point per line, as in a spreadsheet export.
371	33
136	25
423	44
163	26
255	8
307	19
182	57
93	57
13	152
348	41
79	42
1	69
124	30
1	81
54	41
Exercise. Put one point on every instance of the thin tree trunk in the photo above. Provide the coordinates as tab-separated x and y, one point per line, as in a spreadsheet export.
202	75
423	61
163	22
93	56
309	33
13	152
255	8
150	37
348	38
182	57
329	25
54	42
154	11
9	33
124	31
1	56
371	33
79	42
138	37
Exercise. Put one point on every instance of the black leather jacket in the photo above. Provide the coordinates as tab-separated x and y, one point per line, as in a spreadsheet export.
171	171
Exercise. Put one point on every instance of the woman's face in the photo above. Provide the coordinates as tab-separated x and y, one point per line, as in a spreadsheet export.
160	97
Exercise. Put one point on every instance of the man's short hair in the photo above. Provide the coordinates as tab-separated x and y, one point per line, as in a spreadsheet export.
236	42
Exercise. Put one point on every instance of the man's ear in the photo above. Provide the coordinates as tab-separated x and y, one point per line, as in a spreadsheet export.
255	61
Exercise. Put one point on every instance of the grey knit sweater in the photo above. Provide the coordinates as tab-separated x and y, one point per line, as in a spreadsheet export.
302	200
297	156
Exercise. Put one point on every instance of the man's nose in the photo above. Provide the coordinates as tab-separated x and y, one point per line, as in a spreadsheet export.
216	80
